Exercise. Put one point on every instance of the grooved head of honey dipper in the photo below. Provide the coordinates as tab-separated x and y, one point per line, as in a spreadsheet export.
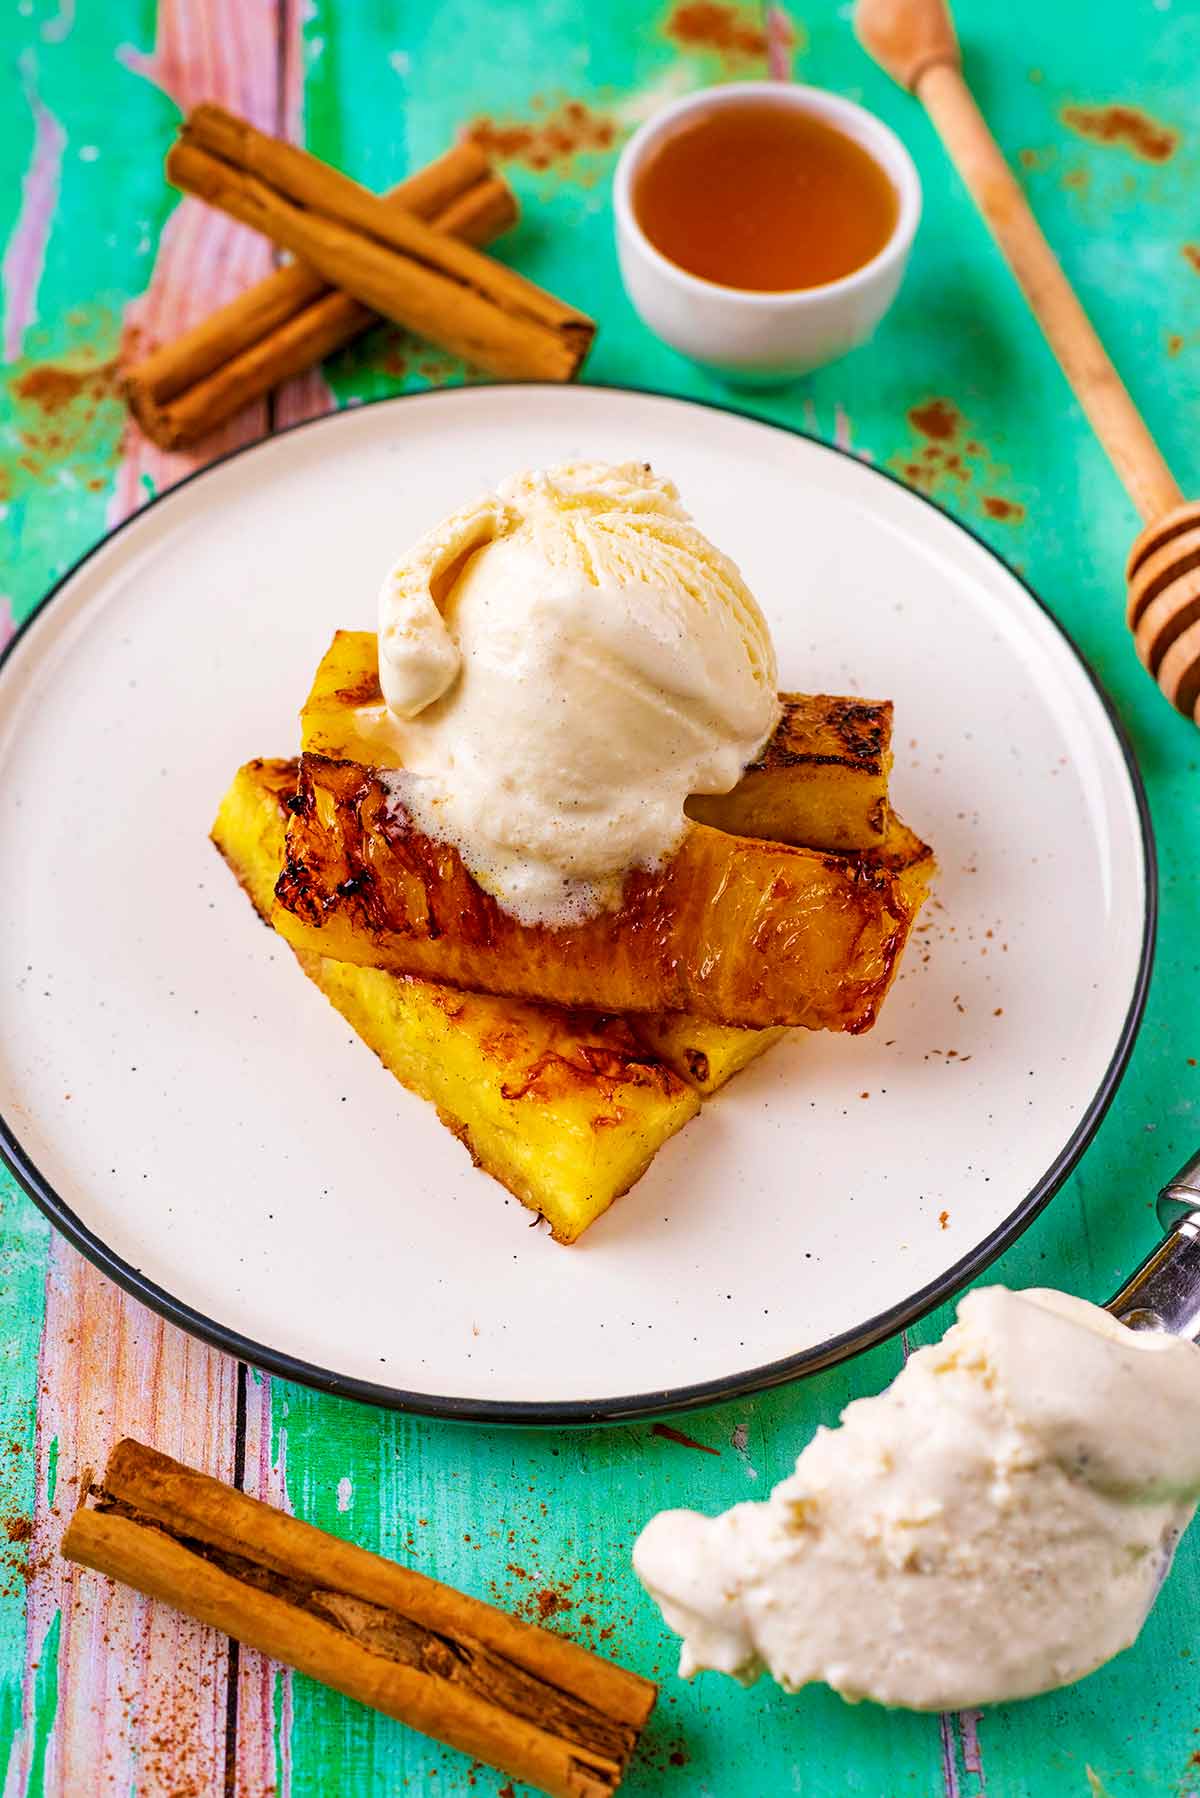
906	37
1164	603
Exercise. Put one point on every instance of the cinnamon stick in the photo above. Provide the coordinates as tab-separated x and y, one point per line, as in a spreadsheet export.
272	301
291	320
538	1707
432	284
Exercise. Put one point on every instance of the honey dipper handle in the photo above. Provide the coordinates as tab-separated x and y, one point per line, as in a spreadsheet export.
1069	332
914	41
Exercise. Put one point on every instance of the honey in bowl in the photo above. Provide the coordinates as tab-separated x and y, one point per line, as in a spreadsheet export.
765	197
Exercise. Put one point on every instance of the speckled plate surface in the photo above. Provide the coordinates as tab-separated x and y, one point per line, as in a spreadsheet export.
193	1114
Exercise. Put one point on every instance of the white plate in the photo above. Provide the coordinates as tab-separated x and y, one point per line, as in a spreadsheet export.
199	1121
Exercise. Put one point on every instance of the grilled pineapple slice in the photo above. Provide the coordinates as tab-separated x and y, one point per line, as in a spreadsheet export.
707	1055
733	929
821	781
344	716
566	1110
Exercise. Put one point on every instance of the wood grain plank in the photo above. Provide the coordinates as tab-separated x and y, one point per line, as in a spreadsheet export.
54	471
128	1673
262	1767
262	1748
141	1694
308	395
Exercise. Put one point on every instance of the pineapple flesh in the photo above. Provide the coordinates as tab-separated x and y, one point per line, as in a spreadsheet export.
821	782
565	1109
707	1055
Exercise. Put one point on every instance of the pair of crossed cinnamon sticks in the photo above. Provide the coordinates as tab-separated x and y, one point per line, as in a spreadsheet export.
537	1706
412	255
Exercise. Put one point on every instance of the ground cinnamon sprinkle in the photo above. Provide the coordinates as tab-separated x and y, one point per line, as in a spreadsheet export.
1008	510
704	25
1127	126
938	419
395	353
940	422
550	1603
579	1602
572	129
49	387
949	459
1192	253
60	412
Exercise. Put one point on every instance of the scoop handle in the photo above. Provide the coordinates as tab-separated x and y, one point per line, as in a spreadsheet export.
1164	1293
1180	1195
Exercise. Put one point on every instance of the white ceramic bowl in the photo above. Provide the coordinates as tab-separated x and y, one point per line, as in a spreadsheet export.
763	337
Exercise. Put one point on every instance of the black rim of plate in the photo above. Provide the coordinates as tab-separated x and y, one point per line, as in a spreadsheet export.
683	1398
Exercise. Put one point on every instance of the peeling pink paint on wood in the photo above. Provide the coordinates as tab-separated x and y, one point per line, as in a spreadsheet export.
950	1785
780	39
307	396
843	434
205	50
129	1672
222	50
25	255
58	29
972	1751
187	66
203	260
960	1736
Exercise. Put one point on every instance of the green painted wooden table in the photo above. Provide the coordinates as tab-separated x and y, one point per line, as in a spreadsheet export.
102	1693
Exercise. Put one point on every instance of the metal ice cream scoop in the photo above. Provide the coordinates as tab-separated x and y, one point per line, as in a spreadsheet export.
1164	1293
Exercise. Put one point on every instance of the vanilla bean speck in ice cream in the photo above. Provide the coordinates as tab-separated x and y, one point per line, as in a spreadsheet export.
564	661
996	1524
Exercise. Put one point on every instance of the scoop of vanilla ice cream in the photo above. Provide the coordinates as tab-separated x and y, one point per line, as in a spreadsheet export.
995	1524
564	661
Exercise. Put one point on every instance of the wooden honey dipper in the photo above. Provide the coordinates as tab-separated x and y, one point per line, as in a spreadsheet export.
914	41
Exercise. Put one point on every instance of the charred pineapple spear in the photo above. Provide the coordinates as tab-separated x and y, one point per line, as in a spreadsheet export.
734	929
738	928
567	1108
